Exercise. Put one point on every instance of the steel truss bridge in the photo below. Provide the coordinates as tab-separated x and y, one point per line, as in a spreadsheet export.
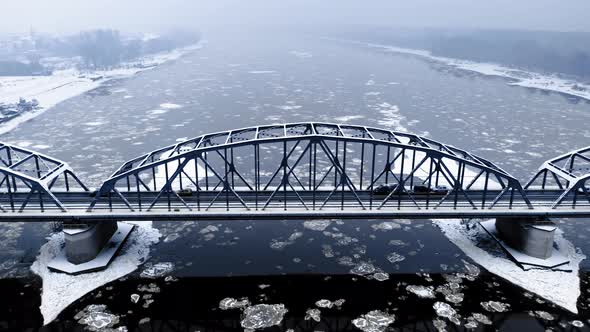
296	170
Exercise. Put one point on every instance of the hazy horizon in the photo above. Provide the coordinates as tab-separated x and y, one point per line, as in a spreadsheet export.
63	16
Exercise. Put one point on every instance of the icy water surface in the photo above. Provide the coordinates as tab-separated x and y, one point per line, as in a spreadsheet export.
275	274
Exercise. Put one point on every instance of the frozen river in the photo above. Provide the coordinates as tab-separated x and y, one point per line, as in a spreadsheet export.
237	82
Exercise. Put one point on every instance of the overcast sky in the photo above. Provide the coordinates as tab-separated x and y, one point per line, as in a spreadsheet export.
154	15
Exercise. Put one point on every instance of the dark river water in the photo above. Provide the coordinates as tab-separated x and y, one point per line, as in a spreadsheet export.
246	80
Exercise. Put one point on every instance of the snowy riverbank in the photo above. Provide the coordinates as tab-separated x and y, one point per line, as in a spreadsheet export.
65	84
559	287
517	76
60	289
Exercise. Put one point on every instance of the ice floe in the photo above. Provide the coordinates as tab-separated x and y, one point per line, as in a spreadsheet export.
317	225
170	106
327	304
157	270
481	318
397	243
542	314
452	289
150	288
280	245
231	303
314	314
327	251
381	276
95	123
257	316
97	317
374	321
561	288
60	289
495	306
171	237
289	107
444	310
263	315
455	298
394	257
472	271
421	291
385	226
209	229
439	325
391	117
363	268
157	112
347	118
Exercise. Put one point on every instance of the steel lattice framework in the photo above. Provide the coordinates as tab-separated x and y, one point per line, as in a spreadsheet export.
37	175
568	173
307	166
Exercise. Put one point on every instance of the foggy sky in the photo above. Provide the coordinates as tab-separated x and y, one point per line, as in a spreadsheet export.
154	15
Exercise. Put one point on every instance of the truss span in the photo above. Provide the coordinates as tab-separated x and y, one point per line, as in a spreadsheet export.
568	174
28	179
309	166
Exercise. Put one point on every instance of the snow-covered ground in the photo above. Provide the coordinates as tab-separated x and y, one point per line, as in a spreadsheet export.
65	84
561	288
518	77
60	289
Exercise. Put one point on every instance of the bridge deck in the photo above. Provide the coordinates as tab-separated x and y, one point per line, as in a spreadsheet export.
292	205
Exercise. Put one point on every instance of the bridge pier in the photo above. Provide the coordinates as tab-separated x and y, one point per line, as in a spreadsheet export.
530	236
528	240
90	246
85	241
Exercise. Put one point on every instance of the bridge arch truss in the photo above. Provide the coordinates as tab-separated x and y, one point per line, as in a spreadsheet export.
308	166
29	180
568	176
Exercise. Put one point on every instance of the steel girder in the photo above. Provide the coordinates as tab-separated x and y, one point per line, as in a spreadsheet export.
38	175
308	166
568	173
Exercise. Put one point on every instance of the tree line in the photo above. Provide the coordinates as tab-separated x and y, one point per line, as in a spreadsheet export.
105	48
97	49
544	51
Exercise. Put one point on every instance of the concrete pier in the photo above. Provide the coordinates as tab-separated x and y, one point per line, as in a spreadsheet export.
90	246
530	236
85	241
528	241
